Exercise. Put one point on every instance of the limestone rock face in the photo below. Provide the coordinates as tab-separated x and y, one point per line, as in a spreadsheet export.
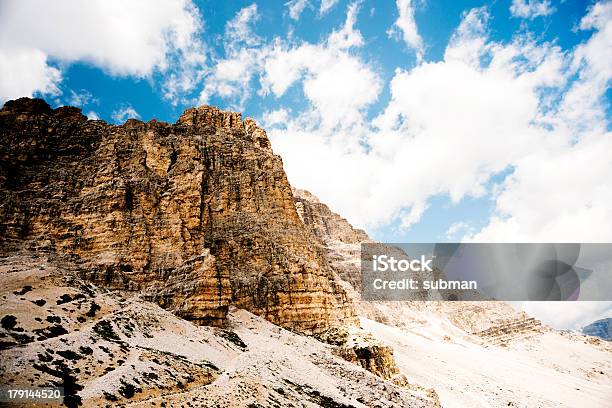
342	242
196	216
502	332
324	223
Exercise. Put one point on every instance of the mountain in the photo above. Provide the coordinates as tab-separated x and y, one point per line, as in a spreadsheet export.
195	216
156	264
151	262
601	328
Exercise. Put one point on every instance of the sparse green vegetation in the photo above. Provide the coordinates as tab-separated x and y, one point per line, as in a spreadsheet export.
8	322
93	308
69	355
128	390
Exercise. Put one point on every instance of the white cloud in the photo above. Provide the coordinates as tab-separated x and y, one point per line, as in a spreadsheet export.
24	72
124	112
81	98
238	30
561	191
448	128
230	76
405	27
326	6
296	7
523	108
278	117
453	232
469	42
347	36
452	125
133	38
531	8
337	84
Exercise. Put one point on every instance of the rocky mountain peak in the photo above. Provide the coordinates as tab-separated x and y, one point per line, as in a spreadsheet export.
231	123
196	216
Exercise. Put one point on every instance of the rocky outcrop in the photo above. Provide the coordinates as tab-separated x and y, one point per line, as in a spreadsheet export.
502	332
376	358
196	215
340	239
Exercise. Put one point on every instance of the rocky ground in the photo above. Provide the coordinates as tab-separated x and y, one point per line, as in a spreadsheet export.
108	348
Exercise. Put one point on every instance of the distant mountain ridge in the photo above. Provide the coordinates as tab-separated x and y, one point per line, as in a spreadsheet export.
600	328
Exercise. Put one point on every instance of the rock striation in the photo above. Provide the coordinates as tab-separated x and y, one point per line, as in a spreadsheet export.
196	215
502	332
342	242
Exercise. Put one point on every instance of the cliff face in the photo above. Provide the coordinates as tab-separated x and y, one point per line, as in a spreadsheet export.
325	224
196	216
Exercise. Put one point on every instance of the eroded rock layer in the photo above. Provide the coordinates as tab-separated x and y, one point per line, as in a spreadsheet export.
197	215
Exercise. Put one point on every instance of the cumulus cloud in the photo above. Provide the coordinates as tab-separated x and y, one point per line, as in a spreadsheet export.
123	113
230	76
326	6
448	127
135	38
296	7
524	110
405	27
560	191
531	8
25	71
278	117
337	84
347	36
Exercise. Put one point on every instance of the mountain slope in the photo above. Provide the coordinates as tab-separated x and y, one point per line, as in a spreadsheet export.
474	354
112	347
197	217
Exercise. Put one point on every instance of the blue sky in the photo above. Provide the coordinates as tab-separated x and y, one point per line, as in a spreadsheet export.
107	87
419	120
